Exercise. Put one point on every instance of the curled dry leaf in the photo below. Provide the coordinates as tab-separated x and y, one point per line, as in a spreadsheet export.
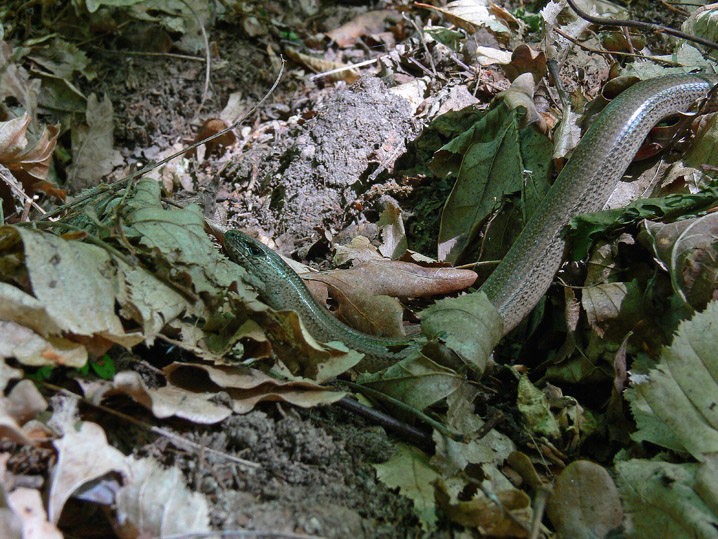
470	15
197	406
22	404
29	163
520	94
157	503
249	387
301	354
33	350
319	65
212	127
613	309
689	251
526	60
83	455
393	234
371	22
8	373
485	514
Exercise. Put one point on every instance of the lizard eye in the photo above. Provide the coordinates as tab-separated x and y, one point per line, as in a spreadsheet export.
254	250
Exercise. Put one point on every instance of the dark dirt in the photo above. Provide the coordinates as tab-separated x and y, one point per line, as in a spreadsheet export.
317	478
318	169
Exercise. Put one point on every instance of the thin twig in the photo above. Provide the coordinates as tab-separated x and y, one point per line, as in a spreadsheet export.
243	533
675	9
443	429
423	41
384	420
143	53
156	430
15	185
640	24
612	53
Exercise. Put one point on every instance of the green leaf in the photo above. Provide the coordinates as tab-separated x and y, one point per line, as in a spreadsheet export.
41	374
470	325
409	470
669	500
492	159
674	404
104	368
583	229
536	411
416	381
450	38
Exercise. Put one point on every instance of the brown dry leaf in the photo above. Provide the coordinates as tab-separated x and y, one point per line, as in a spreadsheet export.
358	250
391	225
32	163
12	137
584	502
28	506
33	350
70	281
371	22
90	292
301	354
486	56
363	292
399	279
93	155
157	503
319	65
212	127
688	249
22	404
249	387
29	163
14	82
484	514
526	60
505	15
83	455
613	309
8	373
470	15
167	401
